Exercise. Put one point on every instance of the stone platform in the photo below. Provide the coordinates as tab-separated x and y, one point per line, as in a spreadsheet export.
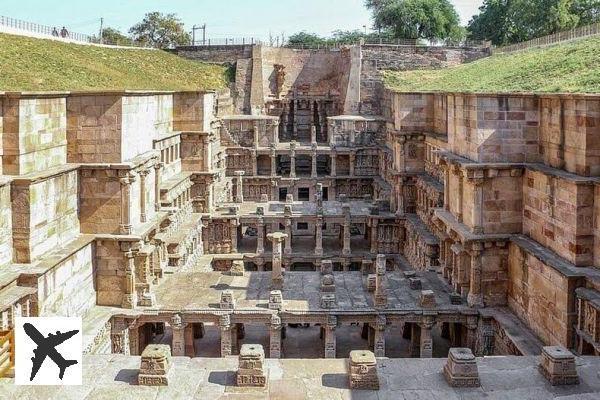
115	377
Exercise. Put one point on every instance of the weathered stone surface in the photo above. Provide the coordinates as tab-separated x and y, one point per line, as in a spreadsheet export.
557	364
155	365
362	367
251	371
461	368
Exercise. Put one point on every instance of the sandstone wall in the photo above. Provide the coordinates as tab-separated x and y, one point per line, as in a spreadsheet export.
542	296
192	111
413	112
94	128
570	133
45	214
597	226
6	243
110	273
145	118
68	288
558	213
494	275
34	134
406	58
215	54
494	128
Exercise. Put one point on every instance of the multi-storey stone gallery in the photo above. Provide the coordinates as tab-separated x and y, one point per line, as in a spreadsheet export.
310	213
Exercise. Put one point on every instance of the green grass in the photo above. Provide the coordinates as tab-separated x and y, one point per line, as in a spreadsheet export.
28	64
570	68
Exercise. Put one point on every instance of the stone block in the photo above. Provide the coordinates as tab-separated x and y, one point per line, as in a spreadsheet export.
415	283
455	299
326	267
227	300
251	369
155	365
558	366
237	268
427	299
289	198
328	300
264	198
409	274
461	368
275	300
260	210
328	284
366	267
363	370
371	282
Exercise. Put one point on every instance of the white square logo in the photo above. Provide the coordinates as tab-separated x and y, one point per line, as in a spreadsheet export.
48	351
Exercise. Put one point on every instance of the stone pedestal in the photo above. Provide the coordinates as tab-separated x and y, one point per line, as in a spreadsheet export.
328	300
461	368
237	268
427	299
155	365
277	273
227	300
371	282
363	370
558	366
251	369
275	300
328	284
415	283
326	267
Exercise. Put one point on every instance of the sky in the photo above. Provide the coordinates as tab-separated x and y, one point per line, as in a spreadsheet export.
224	18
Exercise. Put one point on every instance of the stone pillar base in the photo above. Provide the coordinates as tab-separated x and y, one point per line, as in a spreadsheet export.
155	365
461	368
363	370
251	366
558	366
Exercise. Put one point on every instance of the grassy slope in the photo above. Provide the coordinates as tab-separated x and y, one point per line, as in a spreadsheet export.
28	64
571	67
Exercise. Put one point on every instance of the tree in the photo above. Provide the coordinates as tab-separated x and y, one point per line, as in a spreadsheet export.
417	19
114	36
306	39
160	30
511	21
587	10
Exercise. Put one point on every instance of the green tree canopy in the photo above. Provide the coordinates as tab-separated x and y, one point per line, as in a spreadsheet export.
114	36
511	21
306	39
417	19
161	31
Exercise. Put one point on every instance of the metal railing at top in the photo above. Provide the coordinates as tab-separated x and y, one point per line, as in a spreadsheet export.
54	31
227	41
565	36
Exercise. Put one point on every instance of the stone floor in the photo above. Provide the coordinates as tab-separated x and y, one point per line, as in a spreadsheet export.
202	290
513	378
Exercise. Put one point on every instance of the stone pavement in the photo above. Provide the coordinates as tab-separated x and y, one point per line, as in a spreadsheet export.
115	377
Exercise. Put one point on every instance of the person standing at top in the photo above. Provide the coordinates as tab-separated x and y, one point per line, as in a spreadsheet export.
64	32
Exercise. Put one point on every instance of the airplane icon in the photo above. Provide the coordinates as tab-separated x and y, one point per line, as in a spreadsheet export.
46	347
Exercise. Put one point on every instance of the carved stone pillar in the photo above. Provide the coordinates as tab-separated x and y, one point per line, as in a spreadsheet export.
333	164
459	214
119	336
239	187
255	130
126	182
178	329
273	162
314	163
475	296
472	324
277	273
478	205
129	295
330	339
379	336
346	250
447	187
293	160
157	182
234	236
254	163
260	237
426	339
319	236
207	154
143	189
352	163
374	236
226	335
313	134
415	339
275	328
288	236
